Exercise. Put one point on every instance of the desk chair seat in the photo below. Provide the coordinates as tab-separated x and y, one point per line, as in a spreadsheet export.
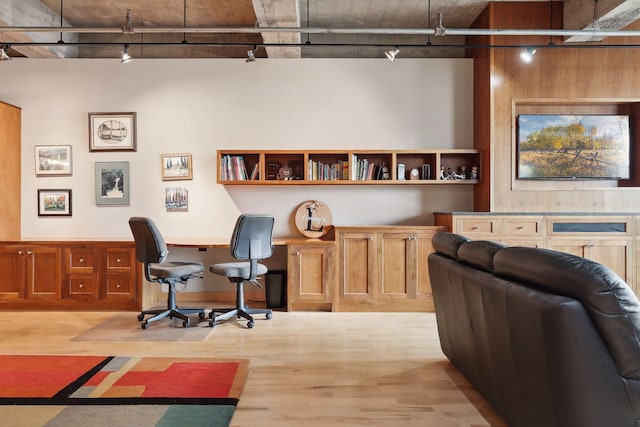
151	250
251	241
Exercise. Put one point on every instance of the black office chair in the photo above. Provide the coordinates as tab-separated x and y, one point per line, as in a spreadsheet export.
251	242
151	250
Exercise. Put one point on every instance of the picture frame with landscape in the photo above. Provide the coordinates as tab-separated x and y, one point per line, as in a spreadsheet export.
112	131
112	183
176	166
53	160
54	202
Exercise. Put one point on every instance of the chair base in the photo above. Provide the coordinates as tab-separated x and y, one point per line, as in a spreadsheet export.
179	313
238	313
171	311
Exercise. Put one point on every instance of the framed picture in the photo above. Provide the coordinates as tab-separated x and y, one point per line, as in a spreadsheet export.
53	160
112	183
176	167
54	202
176	199
112	131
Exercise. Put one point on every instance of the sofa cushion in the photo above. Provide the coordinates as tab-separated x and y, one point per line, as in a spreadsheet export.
447	244
479	253
610	302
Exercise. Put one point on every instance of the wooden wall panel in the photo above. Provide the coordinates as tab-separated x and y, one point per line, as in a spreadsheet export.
10	146
605	79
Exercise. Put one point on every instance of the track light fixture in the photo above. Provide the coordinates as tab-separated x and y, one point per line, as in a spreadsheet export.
526	55
391	54
251	55
125	55
4	56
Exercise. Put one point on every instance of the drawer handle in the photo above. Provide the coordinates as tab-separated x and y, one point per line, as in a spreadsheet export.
20	252
475	227
81	260
81	285
118	286
520	228
118	260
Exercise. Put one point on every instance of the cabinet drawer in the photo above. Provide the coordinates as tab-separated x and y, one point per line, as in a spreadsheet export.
119	258
477	226
521	227
81	285
120	286
80	259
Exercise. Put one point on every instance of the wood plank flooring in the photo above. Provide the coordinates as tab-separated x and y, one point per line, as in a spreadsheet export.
307	368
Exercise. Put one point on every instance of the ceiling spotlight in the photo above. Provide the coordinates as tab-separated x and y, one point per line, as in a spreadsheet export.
4	56
251	55
526	55
391	54
125	55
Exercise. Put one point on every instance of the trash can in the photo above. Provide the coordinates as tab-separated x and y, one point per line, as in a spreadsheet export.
275	288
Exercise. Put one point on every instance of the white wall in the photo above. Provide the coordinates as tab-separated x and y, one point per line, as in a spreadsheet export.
199	106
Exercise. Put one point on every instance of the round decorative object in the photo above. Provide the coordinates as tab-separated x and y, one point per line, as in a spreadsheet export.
414	174
313	219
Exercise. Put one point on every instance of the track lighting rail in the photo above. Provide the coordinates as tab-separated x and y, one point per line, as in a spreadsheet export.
438	31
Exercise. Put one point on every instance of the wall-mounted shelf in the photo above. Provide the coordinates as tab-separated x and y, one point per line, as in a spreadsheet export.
348	167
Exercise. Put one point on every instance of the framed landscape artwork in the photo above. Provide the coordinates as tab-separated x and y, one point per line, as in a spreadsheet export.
112	131
176	199
52	160
54	202
587	146
112	183
176	167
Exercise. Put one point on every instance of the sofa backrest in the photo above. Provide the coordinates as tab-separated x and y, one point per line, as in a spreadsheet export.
610	302
447	244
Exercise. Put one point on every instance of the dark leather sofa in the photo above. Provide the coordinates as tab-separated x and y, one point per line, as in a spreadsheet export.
548	338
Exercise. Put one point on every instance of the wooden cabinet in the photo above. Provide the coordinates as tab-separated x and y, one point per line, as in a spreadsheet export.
69	275
608	239
279	167
31	273
311	275
384	268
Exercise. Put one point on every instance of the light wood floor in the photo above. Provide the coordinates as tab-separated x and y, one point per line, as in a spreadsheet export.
307	368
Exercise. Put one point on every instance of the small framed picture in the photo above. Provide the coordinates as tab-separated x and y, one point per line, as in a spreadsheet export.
112	131
176	167
52	160
54	202
112	183
176	199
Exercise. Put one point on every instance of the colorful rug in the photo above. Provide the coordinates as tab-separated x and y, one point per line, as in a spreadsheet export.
119	391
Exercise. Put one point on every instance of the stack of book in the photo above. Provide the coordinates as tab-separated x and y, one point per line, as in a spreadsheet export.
234	169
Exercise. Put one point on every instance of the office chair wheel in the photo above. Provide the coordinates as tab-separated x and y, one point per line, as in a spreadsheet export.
141	317
186	323
268	316
201	315
144	325
212	323
250	324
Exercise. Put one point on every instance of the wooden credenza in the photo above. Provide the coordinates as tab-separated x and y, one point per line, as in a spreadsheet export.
610	239
69	275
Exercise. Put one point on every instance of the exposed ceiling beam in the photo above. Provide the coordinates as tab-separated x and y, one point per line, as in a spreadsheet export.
279	13
589	15
33	13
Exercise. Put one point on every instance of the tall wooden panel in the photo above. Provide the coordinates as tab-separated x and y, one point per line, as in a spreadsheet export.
10	147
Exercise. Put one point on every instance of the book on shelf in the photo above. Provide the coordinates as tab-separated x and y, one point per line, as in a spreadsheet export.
233	168
255	173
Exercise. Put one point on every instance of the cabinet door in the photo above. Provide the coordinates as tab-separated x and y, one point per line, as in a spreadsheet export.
357	267
615	254
44	277
579	247
12	265
310	274
398	273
